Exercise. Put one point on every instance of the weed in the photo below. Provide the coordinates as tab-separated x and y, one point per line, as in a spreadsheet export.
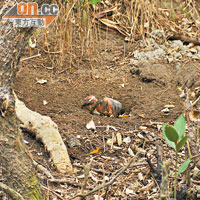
176	138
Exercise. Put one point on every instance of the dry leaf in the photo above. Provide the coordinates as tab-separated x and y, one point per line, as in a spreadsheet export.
140	136
142	116
111	141
130	151
96	151
114	25
119	139
124	116
194	115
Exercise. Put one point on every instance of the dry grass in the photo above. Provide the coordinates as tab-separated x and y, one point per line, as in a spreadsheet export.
75	33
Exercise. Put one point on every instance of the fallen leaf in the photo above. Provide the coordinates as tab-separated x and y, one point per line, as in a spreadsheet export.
111	141
140	136
124	116
142	116
130	151
96	151
119	138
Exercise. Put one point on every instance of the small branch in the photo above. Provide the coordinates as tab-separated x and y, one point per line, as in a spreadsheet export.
164	192
69	182
43	169
12	193
46	188
194	103
31	57
86	170
183	38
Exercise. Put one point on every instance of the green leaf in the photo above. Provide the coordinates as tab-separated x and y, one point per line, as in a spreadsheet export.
81	1
171	133
183	166
181	143
180	125
93	1
171	144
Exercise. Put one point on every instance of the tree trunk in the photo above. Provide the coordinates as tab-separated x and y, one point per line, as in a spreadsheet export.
17	168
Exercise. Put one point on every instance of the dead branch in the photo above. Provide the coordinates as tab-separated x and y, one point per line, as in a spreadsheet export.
159	147
69	182
47	131
42	169
46	188
86	171
175	36
164	187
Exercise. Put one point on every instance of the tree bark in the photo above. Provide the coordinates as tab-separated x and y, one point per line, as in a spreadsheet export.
17	168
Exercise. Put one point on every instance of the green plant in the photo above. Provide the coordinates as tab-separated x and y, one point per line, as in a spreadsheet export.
83	4
176	138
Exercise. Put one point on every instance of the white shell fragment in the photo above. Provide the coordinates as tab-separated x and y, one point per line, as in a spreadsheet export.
91	125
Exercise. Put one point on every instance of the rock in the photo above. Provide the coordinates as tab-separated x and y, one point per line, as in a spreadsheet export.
158	33
150	55
73	141
179	44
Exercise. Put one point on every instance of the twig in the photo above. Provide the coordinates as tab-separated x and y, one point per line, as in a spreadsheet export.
46	188
194	103
54	180
43	169
164	193
12	193
86	170
121	171
183	38
31	57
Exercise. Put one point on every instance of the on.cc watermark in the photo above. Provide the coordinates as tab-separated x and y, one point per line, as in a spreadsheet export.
28	15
